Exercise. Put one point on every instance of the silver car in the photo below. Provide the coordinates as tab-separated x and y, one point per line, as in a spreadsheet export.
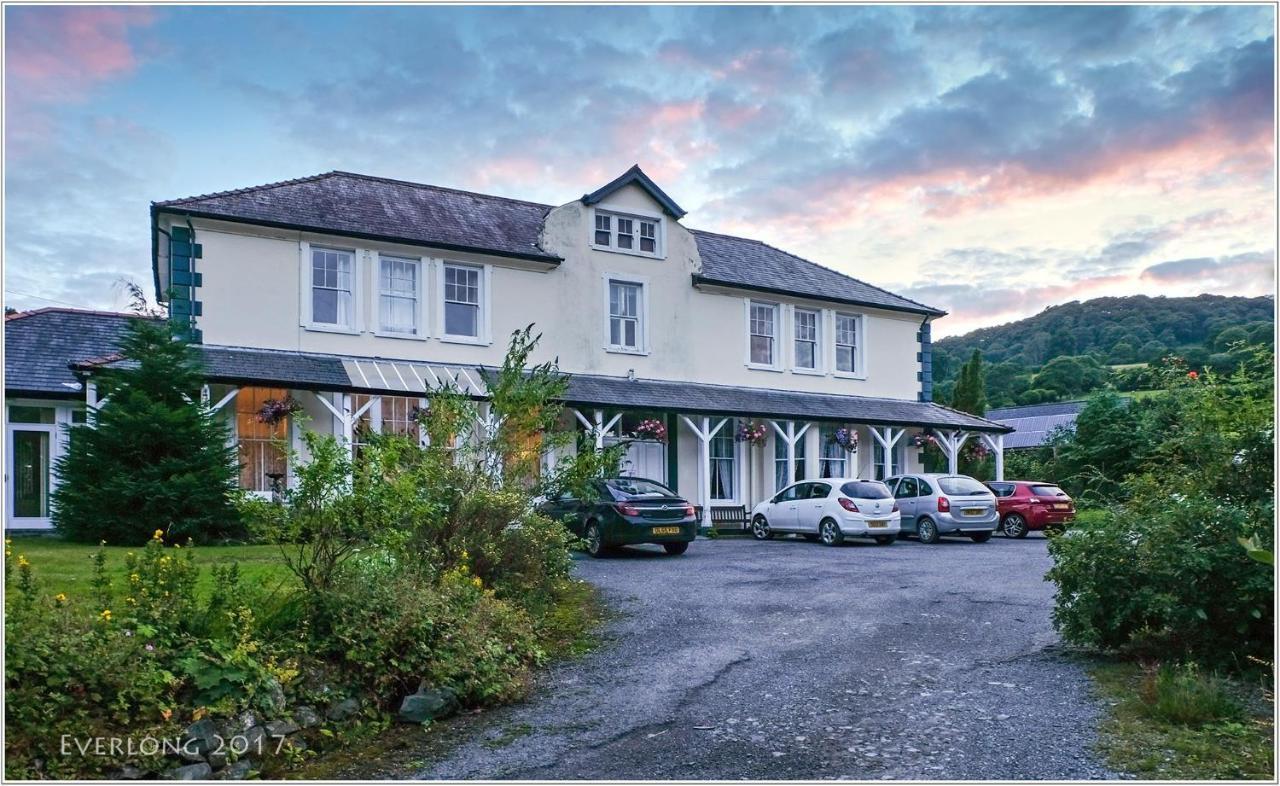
937	504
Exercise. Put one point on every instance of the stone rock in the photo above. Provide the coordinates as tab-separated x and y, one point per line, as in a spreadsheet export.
428	704
193	752
203	730
275	696
237	770
247	720
129	772
342	710
255	741
306	717
217	759
191	772
282	728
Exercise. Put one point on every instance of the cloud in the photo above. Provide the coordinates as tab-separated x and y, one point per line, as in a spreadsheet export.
58	54
1251	271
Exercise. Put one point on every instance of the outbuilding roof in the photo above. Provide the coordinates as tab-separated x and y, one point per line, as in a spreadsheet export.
1035	423
41	344
378	208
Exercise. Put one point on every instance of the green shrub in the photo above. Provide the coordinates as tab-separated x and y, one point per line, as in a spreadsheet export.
1184	694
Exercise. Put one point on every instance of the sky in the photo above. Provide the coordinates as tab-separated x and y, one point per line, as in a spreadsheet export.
987	160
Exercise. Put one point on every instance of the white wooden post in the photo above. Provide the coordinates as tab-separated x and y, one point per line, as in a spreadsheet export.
887	436
790	436
952	442
996	443
598	426
704	435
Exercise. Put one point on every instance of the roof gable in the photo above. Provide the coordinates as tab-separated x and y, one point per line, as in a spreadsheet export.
635	176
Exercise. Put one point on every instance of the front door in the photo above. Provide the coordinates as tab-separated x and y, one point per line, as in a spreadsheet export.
28	470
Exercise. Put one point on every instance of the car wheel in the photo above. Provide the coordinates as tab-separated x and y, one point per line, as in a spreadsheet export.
760	528
980	537
829	532
927	530
1015	526
675	549
885	540
595	543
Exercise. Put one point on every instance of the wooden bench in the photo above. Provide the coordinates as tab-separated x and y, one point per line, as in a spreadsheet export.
725	516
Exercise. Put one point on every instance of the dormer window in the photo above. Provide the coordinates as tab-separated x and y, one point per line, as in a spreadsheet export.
628	234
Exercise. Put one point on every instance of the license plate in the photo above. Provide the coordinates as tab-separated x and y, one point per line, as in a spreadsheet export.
974	511
1061	507
877	524
666	530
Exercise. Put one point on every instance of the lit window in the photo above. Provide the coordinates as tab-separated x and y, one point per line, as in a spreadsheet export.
462	301
261	444
806	338
625	327
764	323
846	343
332	294
398	295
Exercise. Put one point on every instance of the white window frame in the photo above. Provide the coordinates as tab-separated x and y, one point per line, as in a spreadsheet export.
727	432
308	295
642	334
819	349
859	348
634	216
420	311
486	297
776	364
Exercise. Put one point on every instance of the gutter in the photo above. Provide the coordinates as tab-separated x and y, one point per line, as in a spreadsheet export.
700	279
546	259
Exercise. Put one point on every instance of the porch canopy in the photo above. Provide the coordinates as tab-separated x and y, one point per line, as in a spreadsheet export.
704	408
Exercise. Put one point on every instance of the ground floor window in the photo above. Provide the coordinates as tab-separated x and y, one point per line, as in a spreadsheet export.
780	480
724	463
834	457
262	445
886	464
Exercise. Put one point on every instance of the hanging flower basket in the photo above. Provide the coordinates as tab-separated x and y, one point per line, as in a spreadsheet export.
923	440
846	438
652	429
275	410
977	451
752	433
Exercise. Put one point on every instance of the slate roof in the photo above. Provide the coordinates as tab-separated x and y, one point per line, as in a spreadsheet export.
1035	422
395	210
327	372
380	208
751	264
39	345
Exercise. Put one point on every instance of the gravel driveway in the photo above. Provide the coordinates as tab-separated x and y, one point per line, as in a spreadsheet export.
787	659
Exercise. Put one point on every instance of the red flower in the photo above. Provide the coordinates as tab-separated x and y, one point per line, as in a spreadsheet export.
1192	375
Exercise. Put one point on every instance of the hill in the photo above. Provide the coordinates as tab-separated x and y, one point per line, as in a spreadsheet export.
1068	350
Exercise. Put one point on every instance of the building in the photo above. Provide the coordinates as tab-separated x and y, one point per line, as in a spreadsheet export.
1035	423
355	294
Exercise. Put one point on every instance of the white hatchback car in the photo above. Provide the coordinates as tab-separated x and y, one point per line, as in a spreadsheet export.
830	510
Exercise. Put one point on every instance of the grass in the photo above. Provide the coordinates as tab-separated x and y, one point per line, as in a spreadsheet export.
1089	515
1180	723
570	625
65	567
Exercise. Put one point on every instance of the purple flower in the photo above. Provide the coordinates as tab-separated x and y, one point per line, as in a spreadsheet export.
151	648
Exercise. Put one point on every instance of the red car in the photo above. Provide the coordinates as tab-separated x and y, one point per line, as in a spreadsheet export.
1028	504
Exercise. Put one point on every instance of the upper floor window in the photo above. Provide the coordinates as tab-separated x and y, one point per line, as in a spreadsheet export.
847	343
762	323
463	285
399	290
631	234
626	316
807	329
333	287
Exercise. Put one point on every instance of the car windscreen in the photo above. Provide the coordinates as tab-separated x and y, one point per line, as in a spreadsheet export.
1048	491
865	489
635	488
959	484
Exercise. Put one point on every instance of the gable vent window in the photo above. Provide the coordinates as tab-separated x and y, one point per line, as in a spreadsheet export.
627	234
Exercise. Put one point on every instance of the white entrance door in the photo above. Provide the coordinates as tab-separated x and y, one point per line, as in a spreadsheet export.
646	460
28	470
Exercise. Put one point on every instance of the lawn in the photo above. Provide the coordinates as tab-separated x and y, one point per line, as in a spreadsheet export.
65	567
1221	729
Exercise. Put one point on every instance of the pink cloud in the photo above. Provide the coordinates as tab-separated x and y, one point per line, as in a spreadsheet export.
61	53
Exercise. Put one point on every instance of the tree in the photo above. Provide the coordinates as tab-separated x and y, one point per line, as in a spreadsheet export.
1232	335
152	457
970	394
